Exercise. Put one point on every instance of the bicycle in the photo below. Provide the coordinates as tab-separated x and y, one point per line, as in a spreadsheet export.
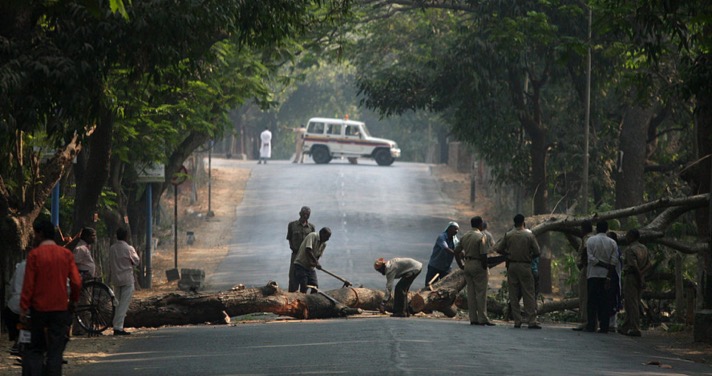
95	309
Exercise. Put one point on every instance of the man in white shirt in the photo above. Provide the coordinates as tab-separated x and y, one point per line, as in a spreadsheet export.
406	269
602	254
122	259
82	253
265	146
11	313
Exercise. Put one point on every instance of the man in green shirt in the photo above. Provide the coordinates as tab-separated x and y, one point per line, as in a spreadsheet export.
307	259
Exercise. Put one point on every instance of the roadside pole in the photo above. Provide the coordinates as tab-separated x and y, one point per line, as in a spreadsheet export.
149	174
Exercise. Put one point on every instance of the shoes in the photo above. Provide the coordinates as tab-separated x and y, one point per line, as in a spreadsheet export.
489	323
534	326
602	331
399	315
517	326
579	328
633	333
121	333
15	350
474	323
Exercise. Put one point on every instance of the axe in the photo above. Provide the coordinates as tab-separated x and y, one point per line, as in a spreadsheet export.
346	283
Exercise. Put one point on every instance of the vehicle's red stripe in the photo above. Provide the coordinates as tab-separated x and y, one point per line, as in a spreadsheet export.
349	142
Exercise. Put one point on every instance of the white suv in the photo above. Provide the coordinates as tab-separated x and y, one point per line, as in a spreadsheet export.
328	138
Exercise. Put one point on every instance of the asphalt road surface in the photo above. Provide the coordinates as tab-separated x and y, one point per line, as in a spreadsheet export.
373	212
384	346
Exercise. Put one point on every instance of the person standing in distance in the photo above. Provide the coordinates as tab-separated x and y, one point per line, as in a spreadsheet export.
46	302
602	258
122	259
581	264
520	247
82	253
474	247
299	133
443	253
405	269
307	259
265	146
296	232
11	313
636	261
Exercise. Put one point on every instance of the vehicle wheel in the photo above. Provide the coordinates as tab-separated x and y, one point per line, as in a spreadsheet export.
383	157
321	155
95	310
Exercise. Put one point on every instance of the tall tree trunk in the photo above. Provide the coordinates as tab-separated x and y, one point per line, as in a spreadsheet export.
630	183
703	174
92	171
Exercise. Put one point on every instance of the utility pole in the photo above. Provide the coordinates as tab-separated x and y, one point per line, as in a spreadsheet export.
210	213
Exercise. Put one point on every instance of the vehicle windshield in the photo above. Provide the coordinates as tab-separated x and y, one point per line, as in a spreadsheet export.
365	130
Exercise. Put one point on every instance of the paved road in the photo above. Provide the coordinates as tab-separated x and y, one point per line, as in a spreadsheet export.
372	211
383	346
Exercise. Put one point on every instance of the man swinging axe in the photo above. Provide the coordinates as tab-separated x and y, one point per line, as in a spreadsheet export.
405	269
307	259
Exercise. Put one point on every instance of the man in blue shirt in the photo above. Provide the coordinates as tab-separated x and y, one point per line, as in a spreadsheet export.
443	253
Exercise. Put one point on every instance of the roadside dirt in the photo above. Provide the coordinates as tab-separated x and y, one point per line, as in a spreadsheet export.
211	245
209	248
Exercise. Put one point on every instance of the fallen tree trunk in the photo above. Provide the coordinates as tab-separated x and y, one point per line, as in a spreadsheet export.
441	297
498	308
184	309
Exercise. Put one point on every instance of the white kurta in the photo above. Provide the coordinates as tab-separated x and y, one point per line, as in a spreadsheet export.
266	144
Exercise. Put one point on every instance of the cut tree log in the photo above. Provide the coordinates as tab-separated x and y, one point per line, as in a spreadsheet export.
217	308
442	297
184	309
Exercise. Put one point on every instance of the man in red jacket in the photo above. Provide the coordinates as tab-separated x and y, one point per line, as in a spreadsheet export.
45	301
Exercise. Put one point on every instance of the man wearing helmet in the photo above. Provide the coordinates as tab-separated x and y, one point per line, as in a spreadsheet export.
405	269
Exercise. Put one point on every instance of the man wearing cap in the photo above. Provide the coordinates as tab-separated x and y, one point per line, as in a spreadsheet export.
307	258
474	247
520	247
296	232
443	253
405	269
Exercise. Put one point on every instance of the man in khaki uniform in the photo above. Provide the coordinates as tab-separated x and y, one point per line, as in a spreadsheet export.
636	264
299	144
520	247
581	263
473	248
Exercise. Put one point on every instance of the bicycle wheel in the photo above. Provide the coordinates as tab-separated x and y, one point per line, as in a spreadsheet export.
95	310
